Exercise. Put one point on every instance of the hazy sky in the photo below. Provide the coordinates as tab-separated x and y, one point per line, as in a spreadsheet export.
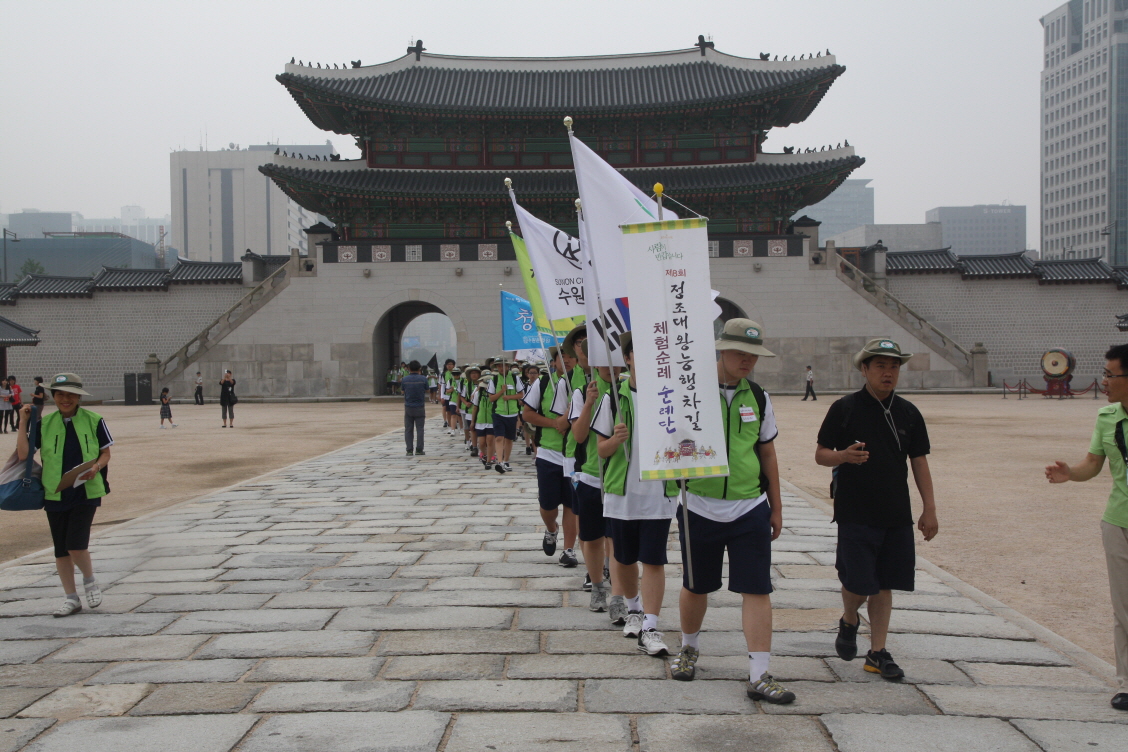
941	97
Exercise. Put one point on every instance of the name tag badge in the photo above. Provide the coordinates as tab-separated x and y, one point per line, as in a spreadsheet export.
748	414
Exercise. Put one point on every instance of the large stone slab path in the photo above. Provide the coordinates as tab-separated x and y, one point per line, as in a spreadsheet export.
366	601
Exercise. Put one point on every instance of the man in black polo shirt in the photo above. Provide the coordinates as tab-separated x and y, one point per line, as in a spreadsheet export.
866	437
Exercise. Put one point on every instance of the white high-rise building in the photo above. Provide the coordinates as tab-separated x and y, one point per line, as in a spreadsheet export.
1084	210
222	205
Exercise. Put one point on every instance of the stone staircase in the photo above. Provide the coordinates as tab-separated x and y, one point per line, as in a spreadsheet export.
936	340
227	322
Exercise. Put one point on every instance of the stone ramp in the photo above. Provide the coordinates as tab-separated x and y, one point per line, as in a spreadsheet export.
363	600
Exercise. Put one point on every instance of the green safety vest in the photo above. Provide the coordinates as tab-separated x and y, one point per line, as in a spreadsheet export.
615	467
741	438
590	464
506	406
549	437
485	407
578	380
53	432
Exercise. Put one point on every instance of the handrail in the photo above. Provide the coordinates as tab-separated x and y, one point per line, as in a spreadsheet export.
214	332
893	307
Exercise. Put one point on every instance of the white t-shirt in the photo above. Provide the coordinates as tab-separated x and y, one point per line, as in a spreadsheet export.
559	406
574	411
644	500
728	510
810	375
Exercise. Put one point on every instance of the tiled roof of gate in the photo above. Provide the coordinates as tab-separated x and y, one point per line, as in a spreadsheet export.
734	178
7	293
13	334
45	285
1000	265
207	271
940	260
111	278
1074	270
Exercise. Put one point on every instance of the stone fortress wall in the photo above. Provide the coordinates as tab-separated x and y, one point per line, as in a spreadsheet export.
318	336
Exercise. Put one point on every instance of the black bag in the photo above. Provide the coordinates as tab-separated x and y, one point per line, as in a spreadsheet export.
27	492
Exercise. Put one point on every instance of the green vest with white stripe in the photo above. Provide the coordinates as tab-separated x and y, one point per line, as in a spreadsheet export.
615	467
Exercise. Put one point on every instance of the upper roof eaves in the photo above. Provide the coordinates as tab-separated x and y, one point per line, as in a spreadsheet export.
997	265
1065	271
111	278
45	285
917	262
187	272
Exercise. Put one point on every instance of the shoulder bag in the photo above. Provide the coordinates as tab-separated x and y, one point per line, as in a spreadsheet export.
27	492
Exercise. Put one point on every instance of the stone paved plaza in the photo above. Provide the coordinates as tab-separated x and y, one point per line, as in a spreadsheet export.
366	601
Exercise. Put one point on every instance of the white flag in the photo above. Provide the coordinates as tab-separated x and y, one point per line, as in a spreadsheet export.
557	267
608	201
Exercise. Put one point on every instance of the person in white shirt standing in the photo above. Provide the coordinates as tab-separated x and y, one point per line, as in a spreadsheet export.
810	386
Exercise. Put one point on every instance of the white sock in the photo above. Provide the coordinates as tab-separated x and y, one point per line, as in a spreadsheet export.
758	664
690	639
650	621
87	580
634	604
73	597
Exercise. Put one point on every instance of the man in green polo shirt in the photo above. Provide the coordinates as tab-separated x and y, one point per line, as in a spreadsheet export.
1109	441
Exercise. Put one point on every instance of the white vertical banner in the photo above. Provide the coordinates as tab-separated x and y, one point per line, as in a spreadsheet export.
680	430
557	266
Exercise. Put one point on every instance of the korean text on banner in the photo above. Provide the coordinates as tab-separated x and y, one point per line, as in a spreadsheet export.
557	268
681	434
518	328
559	328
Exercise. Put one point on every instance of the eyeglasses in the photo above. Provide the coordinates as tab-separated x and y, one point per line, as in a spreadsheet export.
1108	375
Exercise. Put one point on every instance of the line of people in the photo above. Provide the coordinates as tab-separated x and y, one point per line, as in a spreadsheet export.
587	459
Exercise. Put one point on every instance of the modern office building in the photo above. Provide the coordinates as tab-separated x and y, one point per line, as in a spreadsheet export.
222	205
982	229
132	222
31	223
1084	176
849	206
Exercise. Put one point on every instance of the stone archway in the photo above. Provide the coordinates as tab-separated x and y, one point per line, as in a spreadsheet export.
729	310
387	335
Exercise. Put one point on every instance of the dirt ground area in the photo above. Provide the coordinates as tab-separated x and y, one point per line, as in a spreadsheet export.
1003	529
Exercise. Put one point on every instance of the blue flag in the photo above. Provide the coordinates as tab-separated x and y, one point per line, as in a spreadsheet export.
518	327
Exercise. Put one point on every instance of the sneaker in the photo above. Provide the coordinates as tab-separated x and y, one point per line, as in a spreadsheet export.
508	469
93	595
633	624
500	467
767	688
846	644
599	595
1120	701
410	453
474	453
485	462
684	667
528	450
650	642
587	582
174	425
568	558
420	453
880	662
617	610
549	542
162	428
69	607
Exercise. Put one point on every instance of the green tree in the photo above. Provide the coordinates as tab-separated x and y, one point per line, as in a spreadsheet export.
31	266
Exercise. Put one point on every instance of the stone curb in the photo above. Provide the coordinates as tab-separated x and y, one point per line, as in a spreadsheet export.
1101	668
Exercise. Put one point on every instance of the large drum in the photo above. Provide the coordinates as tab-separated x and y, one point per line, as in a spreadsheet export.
1057	369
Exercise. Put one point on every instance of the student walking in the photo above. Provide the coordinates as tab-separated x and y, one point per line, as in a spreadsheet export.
638	514
742	513
227	398
1109	441
546	407
531	374
867	437
199	393
506	392
17	399
810	386
166	408
414	408
6	412
39	394
66	439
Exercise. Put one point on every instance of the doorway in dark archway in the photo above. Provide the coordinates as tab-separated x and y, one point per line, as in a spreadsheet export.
410	331
729	310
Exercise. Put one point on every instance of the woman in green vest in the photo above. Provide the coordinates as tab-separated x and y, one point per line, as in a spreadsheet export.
66	439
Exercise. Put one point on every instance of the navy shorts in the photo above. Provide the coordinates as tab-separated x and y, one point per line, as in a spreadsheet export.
748	540
553	487
486	431
639	540
452	408
589	508
871	559
505	427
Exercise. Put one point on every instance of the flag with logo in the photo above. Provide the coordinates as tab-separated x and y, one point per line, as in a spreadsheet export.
558	328
557	267
680	430
518	324
608	200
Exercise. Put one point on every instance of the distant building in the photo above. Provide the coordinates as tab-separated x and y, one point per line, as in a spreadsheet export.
222	205
132	222
926	237
1084	200
32	224
983	229
77	254
849	206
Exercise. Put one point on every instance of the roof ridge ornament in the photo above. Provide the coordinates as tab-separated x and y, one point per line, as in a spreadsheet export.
418	49
702	44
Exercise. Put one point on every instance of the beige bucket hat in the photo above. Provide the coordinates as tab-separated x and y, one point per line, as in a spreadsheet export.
67	382
743	335
881	346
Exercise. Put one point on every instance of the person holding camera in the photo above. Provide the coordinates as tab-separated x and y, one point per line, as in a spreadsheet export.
72	438
227	398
